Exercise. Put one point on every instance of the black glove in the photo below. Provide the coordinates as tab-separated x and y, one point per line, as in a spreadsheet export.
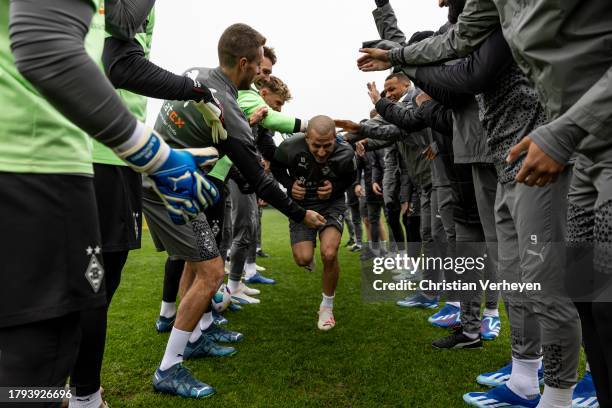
380	3
201	93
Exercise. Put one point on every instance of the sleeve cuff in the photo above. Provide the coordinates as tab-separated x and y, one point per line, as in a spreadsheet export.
558	139
298	214
395	56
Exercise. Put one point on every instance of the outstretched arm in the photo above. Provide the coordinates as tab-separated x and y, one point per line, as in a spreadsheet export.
399	115
475	74
125	17
477	21
128	68
386	23
250	101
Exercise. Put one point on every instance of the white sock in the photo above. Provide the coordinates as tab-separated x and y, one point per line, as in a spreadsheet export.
206	321
491	313
175	348
328	301
195	334
456	304
233	285
168	309
249	270
89	401
588	368
556	398
524	378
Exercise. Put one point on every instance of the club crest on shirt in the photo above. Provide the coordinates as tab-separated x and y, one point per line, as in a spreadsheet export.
94	272
215	227
303	163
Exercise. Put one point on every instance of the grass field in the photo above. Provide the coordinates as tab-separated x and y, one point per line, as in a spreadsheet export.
377	356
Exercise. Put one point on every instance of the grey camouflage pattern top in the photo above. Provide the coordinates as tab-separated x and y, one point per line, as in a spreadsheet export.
509	111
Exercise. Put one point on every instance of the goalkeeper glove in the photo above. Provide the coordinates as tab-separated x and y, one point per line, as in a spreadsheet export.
211	110
176	174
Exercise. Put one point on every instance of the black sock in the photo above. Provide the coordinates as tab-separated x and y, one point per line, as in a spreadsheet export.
172	279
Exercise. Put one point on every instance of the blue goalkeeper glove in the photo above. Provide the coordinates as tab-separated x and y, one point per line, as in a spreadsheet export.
177	175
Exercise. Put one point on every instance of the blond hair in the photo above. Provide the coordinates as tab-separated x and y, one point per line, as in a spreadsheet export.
274	85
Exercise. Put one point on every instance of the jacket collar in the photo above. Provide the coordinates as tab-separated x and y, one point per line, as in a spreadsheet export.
218	72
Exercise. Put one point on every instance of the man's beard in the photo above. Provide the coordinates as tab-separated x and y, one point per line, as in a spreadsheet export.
245	84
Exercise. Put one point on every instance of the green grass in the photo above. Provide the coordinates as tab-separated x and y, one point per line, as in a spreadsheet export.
377	356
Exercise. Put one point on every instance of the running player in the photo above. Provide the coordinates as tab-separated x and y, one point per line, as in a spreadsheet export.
317	170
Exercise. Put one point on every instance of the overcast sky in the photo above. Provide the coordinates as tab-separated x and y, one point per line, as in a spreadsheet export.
316	41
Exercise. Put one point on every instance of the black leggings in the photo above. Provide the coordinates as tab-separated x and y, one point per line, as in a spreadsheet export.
412	224
86	370
172	279
596	321
39	354
396	228
374	210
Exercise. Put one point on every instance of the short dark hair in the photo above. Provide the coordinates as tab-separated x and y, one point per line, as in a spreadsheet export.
321	125
270	54
239	41
400	77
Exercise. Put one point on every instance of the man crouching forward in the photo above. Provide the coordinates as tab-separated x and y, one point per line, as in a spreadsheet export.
317	169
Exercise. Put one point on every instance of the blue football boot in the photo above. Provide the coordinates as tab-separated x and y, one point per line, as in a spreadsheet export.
259	278
447	317
584	393
490	327
219	318
501	376
164	324
418	300
220	335
178	380
501	396
205	347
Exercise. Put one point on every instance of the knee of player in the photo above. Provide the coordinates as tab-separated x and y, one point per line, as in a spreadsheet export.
302	259
211	271
218	274
329	254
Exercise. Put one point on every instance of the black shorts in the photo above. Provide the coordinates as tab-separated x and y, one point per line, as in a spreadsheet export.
333	211
50	247
119	198
194	241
